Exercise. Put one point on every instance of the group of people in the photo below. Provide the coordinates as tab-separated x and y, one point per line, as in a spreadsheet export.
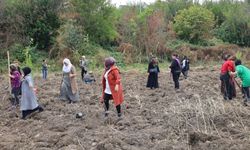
232	68
22	82
177	67
111	83
22	85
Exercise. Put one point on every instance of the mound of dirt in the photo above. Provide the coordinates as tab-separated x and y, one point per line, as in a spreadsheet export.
195	117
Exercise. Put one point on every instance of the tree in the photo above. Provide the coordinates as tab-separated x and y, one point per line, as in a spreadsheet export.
98	20
194	24
37	19
236	28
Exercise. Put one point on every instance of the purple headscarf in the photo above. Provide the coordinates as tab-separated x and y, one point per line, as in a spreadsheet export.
109	62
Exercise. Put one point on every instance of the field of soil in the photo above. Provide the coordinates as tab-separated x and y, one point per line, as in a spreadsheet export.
196	117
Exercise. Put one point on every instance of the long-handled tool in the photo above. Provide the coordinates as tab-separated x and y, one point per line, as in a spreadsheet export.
8	55
235	81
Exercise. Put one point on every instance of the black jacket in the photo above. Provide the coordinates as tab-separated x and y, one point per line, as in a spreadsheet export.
175	66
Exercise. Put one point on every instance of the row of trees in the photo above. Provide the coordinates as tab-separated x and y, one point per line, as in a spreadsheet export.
79	26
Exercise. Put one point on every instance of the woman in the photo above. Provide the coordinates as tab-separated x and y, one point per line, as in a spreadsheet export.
83	65
29	102
112	86
175	70
15	77
244	74
16	62
69	89
153	70
229	86
185	67
44	69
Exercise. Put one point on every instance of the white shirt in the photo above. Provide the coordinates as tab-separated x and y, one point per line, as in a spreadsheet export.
184	63
107	89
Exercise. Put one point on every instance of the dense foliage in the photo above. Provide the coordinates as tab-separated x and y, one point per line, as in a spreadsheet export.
194	24
83	27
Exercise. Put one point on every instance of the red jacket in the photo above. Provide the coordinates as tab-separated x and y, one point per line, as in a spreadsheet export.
228	66
113	79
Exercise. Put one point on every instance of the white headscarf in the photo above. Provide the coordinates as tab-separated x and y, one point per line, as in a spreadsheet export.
67	68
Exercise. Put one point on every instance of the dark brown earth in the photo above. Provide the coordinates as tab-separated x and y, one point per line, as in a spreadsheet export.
196	117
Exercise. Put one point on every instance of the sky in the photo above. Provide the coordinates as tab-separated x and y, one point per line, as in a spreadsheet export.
124	2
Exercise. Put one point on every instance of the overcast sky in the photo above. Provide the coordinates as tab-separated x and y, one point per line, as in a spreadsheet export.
123	2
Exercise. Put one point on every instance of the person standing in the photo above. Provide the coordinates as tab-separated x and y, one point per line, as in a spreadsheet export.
83	66
29	102
15	84
227	67
185	67
244	74
175	70
44	69
153	70
112	86
16	63
225	58
69	90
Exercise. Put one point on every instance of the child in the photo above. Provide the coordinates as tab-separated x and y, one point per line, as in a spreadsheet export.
15	84
29	102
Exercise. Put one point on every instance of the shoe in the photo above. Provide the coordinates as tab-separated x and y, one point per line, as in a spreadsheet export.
119	115
40	109
106	114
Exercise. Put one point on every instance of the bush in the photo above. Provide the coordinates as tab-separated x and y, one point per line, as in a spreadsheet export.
236	28
37	19
194	24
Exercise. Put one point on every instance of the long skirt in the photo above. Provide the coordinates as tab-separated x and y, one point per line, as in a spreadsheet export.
66	93
153	80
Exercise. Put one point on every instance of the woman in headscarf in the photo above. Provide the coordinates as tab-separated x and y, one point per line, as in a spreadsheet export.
112	86
29	102
15	77
69	89
153	70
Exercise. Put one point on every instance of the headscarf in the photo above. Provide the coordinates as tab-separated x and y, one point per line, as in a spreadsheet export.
109	62
26	71
13	67
67	68
154	61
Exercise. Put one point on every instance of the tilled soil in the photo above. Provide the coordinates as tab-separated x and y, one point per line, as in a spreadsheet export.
195	117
